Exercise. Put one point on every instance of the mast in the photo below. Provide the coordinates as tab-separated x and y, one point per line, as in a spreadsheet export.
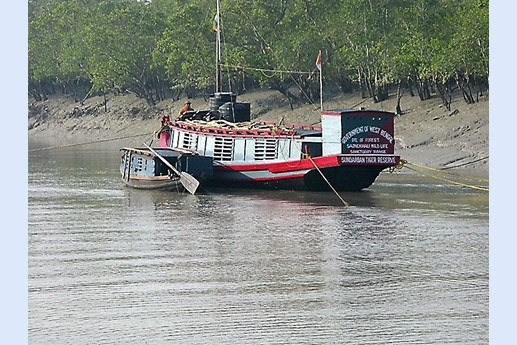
218	78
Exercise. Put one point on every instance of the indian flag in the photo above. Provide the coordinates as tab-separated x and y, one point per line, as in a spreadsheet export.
215	23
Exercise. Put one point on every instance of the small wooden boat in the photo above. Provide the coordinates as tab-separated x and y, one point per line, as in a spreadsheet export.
164	168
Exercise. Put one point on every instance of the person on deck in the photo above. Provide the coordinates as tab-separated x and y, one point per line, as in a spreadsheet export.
186	107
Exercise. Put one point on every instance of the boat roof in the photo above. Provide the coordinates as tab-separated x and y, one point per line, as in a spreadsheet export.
162	151
359	111
308	132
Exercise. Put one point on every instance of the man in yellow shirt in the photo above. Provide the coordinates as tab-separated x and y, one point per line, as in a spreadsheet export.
186	107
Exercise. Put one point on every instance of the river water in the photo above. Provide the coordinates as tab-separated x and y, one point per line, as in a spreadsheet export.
406	263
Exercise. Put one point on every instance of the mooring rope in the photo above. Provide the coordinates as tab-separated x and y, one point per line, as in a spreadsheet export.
89	142
467	163
449	173
406	164
326	180
273	71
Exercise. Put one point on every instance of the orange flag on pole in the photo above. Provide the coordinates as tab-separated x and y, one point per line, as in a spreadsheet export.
318	61
318	64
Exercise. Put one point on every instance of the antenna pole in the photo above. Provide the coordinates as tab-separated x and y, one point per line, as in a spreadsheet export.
218	52
321	83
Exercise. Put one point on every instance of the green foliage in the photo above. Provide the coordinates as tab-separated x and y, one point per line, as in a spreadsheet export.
150	46
186	48
120	43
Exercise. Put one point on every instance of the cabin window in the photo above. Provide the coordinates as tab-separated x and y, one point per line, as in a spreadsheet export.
189	141
223	149
266	149
141	164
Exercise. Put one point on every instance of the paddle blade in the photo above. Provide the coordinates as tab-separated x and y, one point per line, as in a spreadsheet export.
189	182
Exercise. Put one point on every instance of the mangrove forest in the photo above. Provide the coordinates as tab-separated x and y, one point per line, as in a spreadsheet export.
166	48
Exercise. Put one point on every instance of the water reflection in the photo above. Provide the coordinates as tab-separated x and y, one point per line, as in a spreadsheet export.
406	263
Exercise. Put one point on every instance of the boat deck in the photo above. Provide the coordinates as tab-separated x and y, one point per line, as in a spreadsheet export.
255	129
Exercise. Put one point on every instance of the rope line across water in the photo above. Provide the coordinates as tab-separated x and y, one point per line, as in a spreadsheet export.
406	164
88	142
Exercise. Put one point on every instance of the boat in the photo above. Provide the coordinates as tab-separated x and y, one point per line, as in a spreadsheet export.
164	168
346	152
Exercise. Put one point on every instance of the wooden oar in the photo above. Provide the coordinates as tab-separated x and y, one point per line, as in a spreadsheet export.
188	181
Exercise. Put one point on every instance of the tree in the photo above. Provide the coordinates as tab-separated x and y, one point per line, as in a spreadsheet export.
469	48
121	40
149	47
185	49
280	36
